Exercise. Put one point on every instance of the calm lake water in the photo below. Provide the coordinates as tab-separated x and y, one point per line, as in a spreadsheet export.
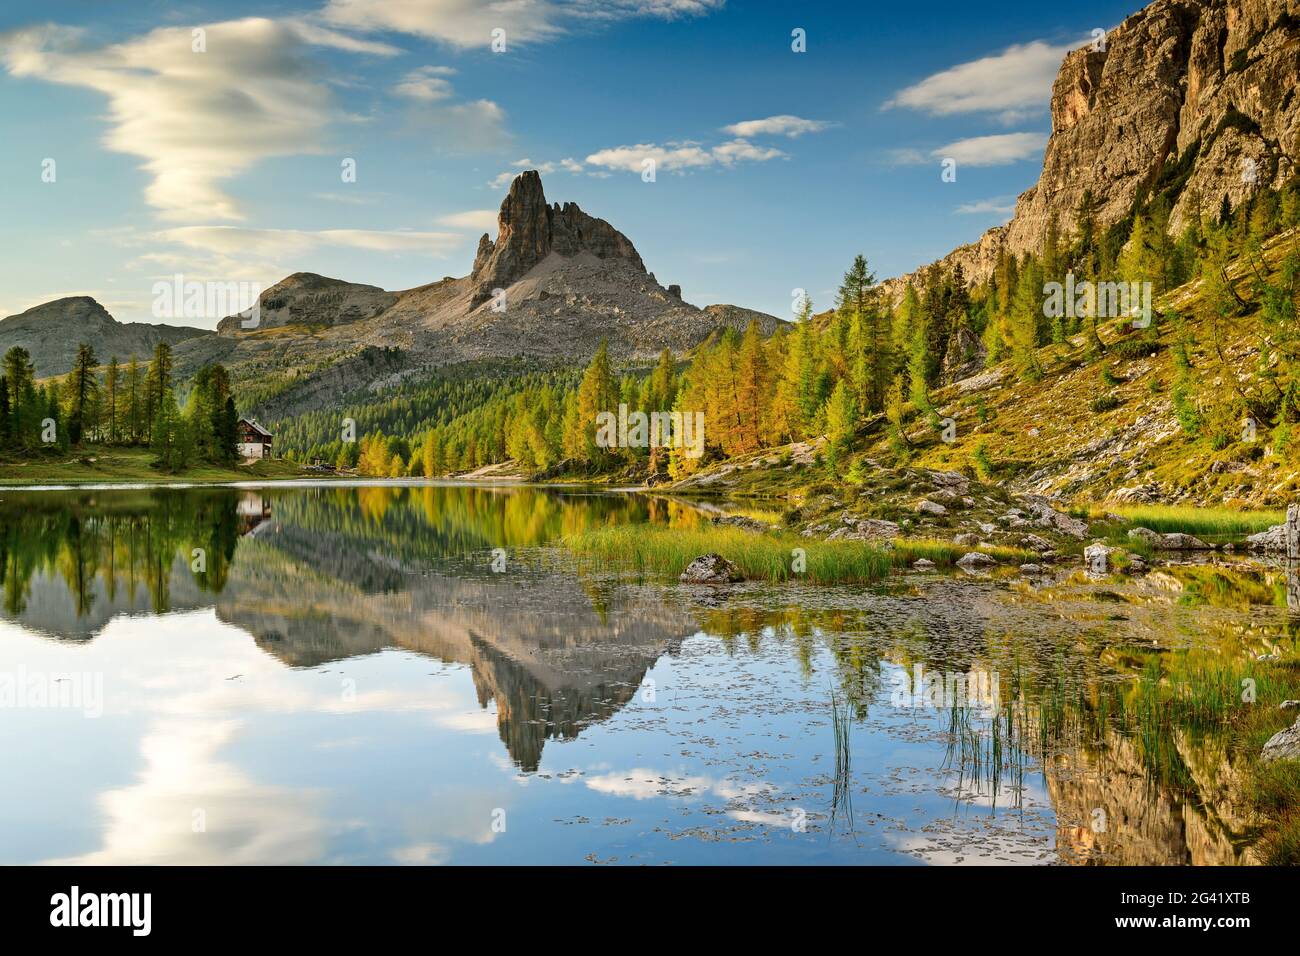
421	674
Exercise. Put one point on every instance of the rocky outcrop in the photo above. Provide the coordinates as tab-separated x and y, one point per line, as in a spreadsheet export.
51	333
1173	541
1189	98
305	298
528	230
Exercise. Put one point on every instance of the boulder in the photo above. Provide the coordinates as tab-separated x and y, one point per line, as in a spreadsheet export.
927	507
711	569
1031	570
1097	557
922	564
1283	745
1048	517
1273	540
1177	541
1136	564
740	521
966	540
975	560
1034	543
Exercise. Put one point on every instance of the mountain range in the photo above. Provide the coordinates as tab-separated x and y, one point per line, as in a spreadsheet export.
552	286
1188	99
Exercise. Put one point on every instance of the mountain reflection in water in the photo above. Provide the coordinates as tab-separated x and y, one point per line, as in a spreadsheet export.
693	726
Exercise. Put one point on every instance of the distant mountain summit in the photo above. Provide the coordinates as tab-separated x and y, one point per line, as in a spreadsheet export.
528	230
552	285
52	331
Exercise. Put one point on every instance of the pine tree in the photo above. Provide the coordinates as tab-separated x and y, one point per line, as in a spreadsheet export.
597	393
841	422
112	399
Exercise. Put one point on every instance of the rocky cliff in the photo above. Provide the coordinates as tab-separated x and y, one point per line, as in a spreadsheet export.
1192	98
528	230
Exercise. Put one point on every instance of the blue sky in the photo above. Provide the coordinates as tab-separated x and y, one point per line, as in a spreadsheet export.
773	168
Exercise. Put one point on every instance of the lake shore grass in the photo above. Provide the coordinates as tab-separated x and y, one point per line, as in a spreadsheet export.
769	557
124	465
1209	523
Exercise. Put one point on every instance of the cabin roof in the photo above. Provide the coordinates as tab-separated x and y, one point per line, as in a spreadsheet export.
252	423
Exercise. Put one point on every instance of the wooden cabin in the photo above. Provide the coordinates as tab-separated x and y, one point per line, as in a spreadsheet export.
252	440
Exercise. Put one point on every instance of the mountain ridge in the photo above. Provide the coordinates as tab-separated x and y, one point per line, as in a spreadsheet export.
1181	98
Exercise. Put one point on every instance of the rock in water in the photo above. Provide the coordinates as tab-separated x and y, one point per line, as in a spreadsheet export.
711	569
975	560
1283	745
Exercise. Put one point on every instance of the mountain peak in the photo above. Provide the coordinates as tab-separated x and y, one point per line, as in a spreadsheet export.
528	230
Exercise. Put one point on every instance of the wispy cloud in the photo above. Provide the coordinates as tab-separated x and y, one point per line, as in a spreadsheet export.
278	243
997	150
784	125
480	220
427	84
470	23
1013	83
680	157
568	165
196	119
999	206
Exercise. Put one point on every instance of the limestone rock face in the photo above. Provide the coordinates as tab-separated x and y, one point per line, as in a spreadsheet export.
528	230
1206	82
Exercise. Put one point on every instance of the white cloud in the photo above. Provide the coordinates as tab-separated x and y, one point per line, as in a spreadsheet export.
679	157
272	243
469	23
480	220
1014	83
462	23
568	165
1000	206
784	125
997	150
427	83
195	119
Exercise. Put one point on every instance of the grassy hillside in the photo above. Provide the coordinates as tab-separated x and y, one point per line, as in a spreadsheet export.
1107	429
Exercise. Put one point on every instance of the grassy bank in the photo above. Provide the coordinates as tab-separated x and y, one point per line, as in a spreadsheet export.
767	557
1217	523
130	465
